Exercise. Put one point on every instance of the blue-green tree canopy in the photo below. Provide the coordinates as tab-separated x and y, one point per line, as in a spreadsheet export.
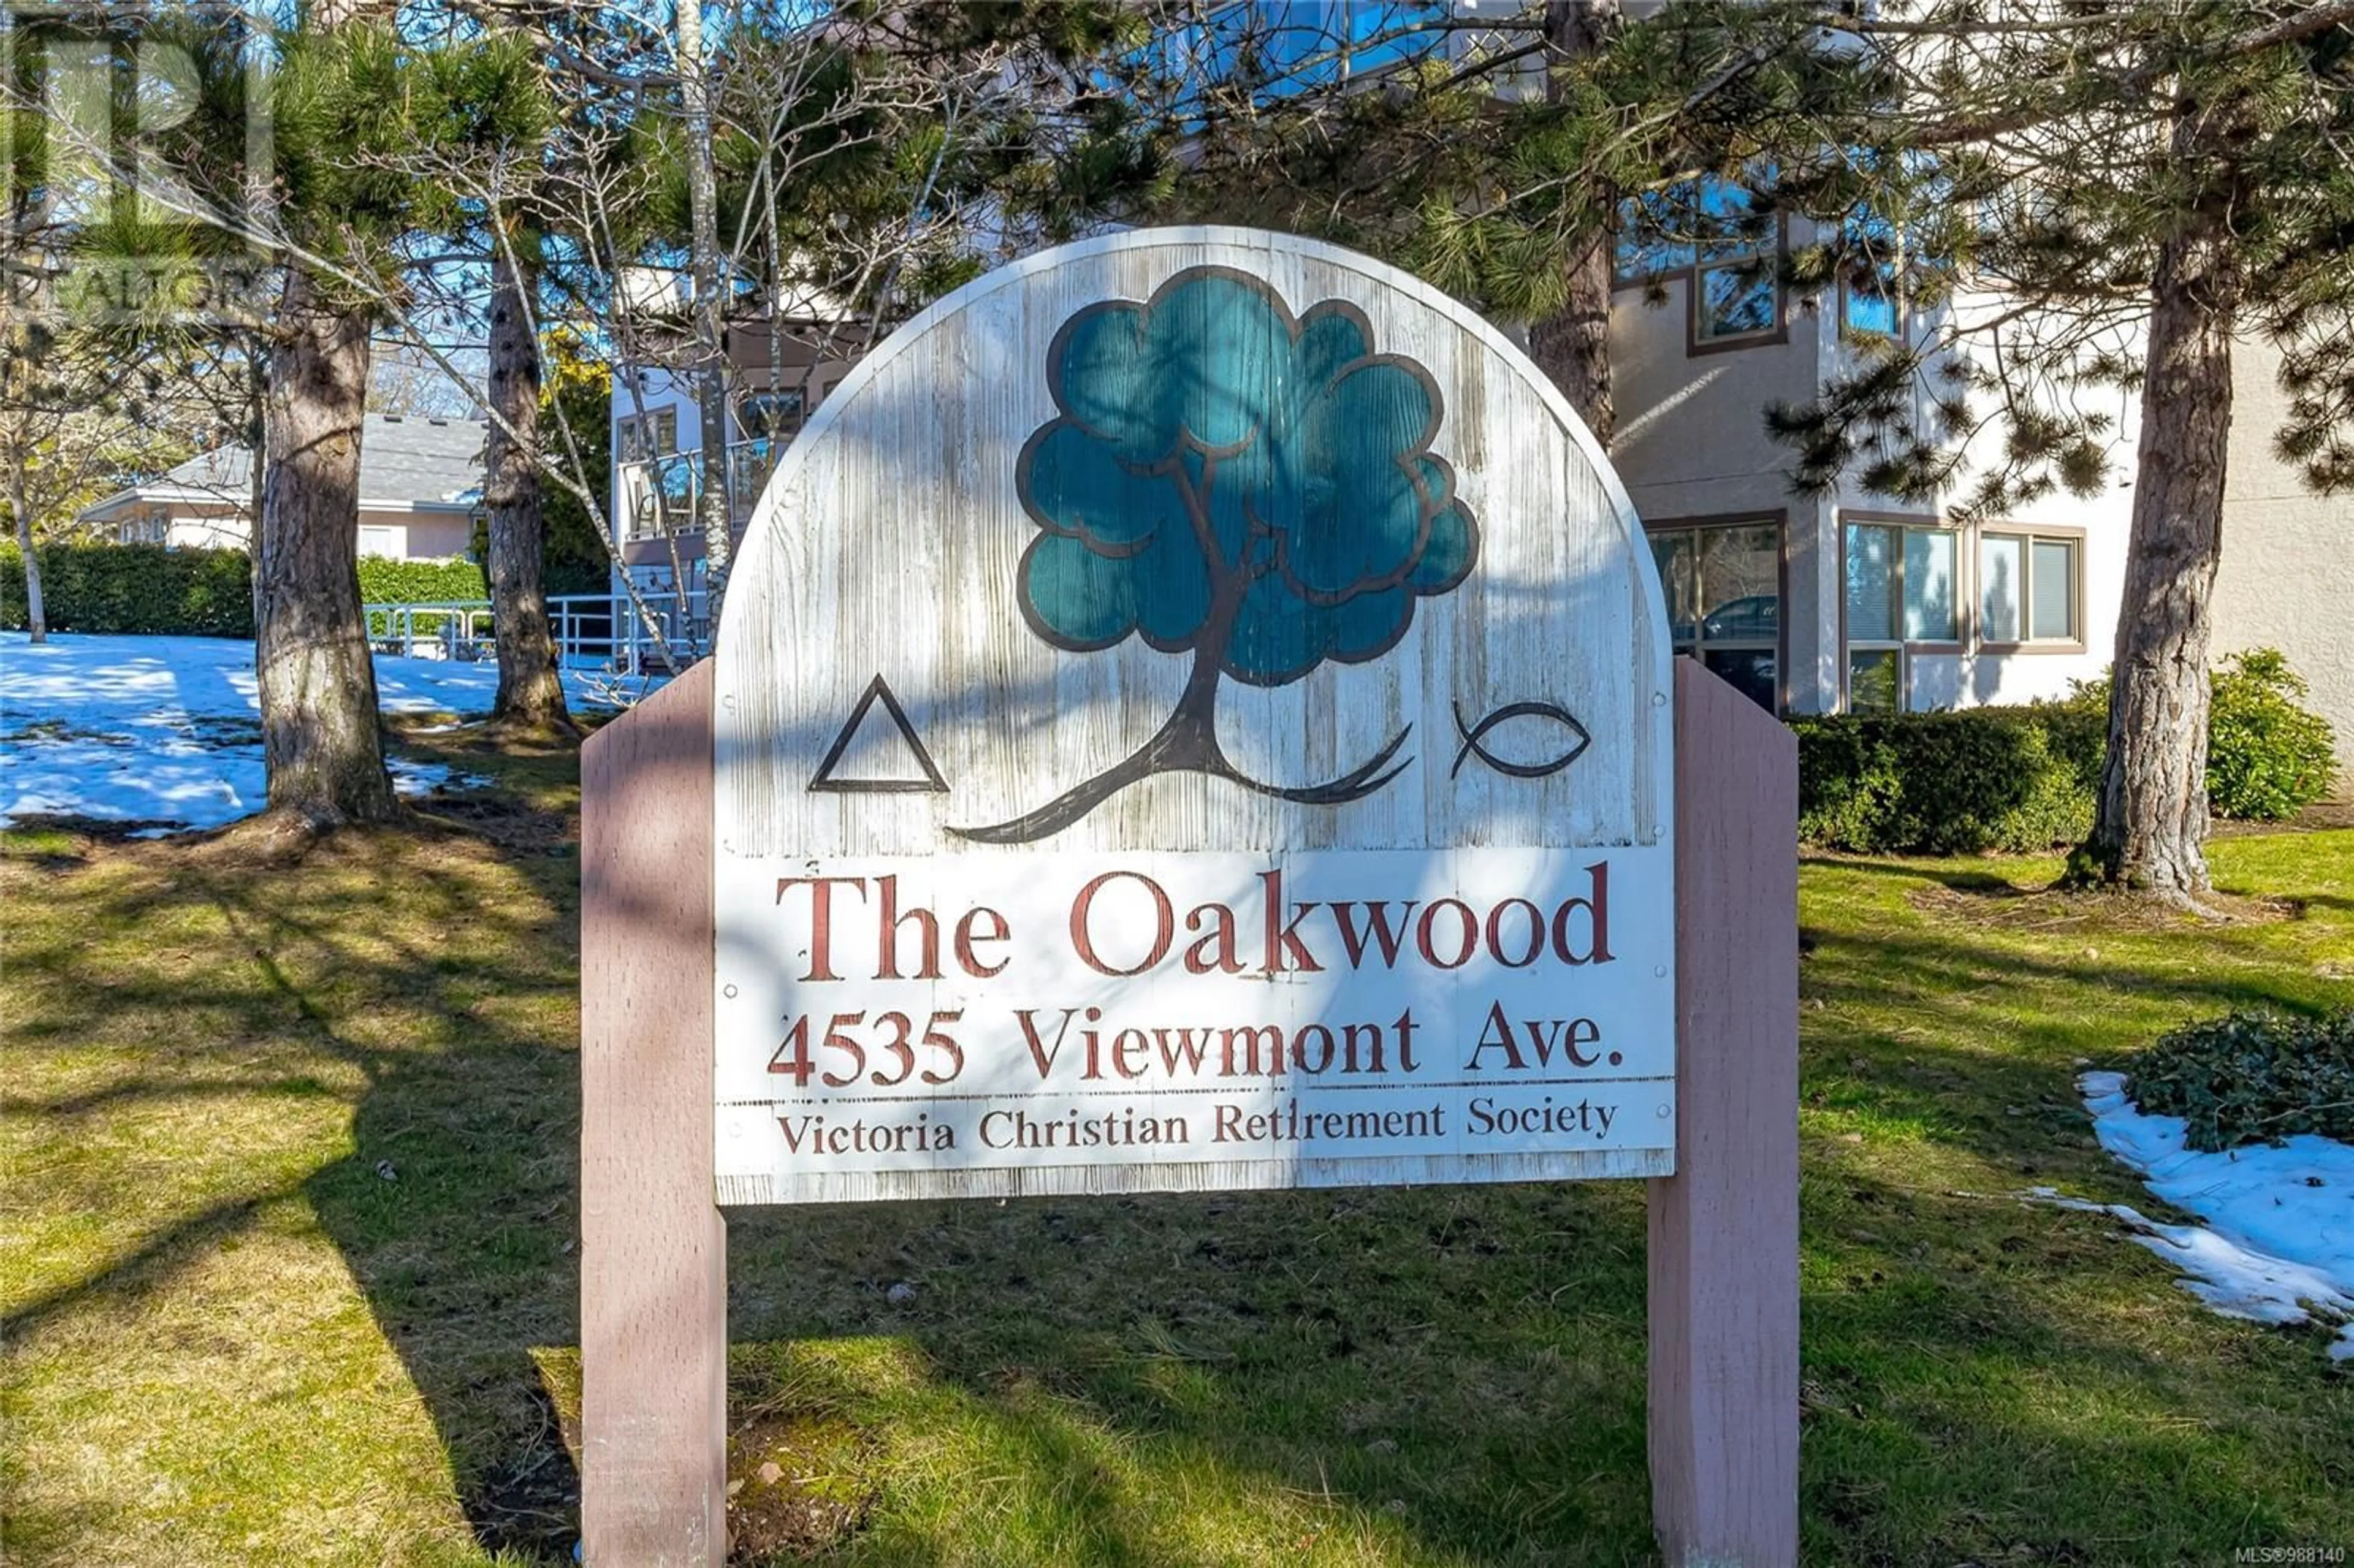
1227	479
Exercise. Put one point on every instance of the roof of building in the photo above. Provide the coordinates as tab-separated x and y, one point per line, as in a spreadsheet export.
405	460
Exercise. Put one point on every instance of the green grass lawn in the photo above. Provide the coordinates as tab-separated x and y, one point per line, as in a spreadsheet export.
289	1266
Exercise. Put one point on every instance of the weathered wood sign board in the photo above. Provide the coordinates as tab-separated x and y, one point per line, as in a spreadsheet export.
1191	711
1225	745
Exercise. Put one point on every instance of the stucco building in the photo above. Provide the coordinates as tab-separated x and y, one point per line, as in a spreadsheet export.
420	487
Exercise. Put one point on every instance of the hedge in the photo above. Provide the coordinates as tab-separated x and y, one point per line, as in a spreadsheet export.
384	580
138	589
2025	778
2011	778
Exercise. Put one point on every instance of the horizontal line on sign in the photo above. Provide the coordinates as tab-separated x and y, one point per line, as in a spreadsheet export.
1135	1091
1636	1161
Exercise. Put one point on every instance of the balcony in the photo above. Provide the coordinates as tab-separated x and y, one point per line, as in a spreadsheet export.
657	496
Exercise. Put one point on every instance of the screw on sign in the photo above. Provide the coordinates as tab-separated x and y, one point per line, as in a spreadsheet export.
1192	713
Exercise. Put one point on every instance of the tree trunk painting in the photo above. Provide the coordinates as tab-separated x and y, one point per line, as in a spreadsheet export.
1572	345
1233	481
319	724
2152	817
531	695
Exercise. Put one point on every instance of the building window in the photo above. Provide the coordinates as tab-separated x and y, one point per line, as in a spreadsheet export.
762	414
1735	292
654	433
1872	278
1724	588
1887	254
1709	231
1902	595
1872	305
1262	51
2031	589
1654	241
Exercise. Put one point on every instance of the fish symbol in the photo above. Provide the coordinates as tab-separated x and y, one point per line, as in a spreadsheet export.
1472	733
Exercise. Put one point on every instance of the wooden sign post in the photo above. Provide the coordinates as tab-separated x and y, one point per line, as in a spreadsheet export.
1193	711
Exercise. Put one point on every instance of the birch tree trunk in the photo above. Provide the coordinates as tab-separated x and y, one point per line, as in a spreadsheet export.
2151	825
319	726
530	696
710	362
1573	345
36	620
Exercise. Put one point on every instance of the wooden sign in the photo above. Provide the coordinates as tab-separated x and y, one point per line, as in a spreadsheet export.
1192	712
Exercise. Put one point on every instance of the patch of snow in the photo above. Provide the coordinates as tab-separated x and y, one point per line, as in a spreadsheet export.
167	729
424	777
2277	1245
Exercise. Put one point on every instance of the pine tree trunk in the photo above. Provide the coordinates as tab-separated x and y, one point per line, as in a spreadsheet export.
2152	818
319	724
1573	345
531	695
36	620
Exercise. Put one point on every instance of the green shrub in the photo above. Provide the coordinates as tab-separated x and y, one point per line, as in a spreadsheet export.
143	590
2076	726
2027	777
2251	1077
2268	757
385	580
1945	783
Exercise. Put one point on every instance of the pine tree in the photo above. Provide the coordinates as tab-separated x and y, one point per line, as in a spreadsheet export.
76	420
1501	157
307	252
2137	190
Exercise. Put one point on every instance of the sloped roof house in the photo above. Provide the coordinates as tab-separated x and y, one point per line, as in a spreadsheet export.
420	485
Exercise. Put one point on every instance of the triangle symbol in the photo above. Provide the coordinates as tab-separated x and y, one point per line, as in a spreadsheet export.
880	758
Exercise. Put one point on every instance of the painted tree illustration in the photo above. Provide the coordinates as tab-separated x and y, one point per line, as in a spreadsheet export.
1232	482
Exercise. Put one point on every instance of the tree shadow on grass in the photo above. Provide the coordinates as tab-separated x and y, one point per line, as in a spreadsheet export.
1456	1377
1445	1375
1453	1375
457	1213
424	977
463	1256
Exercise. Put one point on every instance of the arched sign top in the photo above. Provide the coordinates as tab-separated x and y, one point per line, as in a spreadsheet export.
1191	710
1199	538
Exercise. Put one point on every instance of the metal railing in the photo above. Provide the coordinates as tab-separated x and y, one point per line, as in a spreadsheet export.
658	494
593	632
435	629
604	631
